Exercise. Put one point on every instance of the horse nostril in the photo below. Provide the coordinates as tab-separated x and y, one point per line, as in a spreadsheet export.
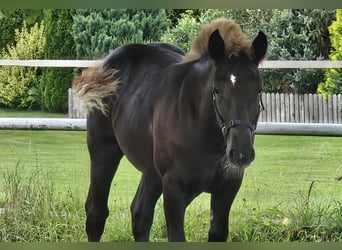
236	156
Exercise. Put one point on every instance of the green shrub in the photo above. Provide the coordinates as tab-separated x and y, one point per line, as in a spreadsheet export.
98	32
8	24
297	34
292	34
183	32
17	83
333	77
59	45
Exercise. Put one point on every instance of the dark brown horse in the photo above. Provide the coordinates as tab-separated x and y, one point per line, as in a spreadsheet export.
187	122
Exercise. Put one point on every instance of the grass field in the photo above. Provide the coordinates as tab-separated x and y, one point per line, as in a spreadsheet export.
275	192
4	112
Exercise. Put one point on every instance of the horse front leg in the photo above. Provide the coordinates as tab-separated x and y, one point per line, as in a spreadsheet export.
142	207
175	203
222	198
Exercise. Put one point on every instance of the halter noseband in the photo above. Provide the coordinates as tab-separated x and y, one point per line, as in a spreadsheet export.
225	127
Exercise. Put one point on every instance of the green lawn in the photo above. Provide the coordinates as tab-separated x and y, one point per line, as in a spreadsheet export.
277	182
4	112
284	165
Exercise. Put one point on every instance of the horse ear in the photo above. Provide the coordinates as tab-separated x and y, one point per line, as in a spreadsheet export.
260	47
216	46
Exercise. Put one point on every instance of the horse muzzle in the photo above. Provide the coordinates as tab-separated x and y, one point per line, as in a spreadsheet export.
240	151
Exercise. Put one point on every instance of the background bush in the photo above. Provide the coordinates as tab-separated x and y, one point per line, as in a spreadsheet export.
293	34
182	33
17	83
53	90
333	77
297	35
98	32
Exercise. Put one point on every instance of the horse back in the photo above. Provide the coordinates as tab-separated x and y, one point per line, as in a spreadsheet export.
141	73
142	57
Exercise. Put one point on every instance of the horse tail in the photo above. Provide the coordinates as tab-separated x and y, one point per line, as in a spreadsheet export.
93	86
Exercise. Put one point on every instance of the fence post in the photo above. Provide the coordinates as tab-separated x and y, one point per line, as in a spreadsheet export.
320	108
296	108
315	108
277	108
335	108
310	108
268	107
339	105
291	104
330	113
70	103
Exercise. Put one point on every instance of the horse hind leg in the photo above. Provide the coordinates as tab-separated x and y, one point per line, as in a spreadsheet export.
142	207
105	156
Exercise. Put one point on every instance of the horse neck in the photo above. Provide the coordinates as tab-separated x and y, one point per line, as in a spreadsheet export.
199	90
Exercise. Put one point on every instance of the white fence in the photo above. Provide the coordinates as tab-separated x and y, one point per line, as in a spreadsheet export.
279	107
307	108
278	128
42	124
284	114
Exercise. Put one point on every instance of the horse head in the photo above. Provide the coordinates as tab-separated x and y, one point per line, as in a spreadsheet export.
237	90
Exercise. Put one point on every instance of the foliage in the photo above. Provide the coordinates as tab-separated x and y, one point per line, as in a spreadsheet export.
17	83
53	90
190	22
8	25
97	32
176	14
33	212
297	35
333	77
250	20
10	20
183	32
292	35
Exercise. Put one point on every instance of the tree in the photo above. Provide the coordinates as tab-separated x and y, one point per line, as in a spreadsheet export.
174	15
333	77
59	45
292	35
97	32
183	32
190	22
12	19
17	84
8	25
297	35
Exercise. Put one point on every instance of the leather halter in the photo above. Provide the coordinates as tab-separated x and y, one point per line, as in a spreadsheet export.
226	126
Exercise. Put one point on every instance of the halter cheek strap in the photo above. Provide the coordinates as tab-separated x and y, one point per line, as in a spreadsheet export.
225	127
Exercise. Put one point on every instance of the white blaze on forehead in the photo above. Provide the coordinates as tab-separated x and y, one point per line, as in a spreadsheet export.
233	79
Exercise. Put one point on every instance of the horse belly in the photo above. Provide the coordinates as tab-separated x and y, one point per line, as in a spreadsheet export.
180	153
135	140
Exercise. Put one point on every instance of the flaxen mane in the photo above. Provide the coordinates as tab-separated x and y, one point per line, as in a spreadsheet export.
235	40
